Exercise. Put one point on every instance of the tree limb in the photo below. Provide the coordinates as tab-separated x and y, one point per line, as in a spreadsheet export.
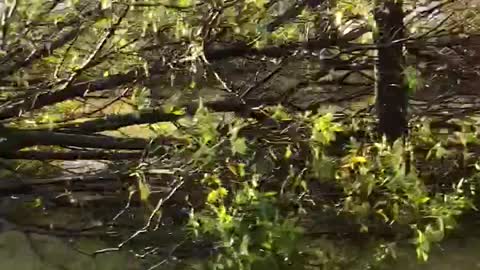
292	12
213	53
71	155
16	139
113	122
75	90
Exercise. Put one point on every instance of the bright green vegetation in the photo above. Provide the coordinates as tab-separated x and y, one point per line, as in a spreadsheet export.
378	192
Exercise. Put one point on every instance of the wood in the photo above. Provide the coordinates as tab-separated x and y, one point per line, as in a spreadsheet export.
391	92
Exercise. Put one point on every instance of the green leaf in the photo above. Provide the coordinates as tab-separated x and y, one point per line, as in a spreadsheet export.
211	180
434	235
438	150
288	152
280	114
105	4
241	170
325	129
412	79
184	3
217	195
178	111
37	203
270	194
477	166
244	245
239	145
233	169
144	190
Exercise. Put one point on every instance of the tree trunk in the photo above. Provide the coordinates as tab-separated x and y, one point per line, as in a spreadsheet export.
391	93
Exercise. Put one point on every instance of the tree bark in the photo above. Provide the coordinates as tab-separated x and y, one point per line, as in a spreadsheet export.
391	93
72	155
15	139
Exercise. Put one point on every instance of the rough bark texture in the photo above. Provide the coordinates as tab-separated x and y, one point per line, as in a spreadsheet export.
391	93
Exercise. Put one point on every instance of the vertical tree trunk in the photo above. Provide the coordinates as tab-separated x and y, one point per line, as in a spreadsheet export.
391	93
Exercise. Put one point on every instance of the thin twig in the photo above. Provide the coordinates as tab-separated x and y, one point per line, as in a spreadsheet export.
144	229
264	80
5	21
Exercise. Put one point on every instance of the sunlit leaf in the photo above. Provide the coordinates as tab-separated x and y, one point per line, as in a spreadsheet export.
105	4
280	114
217	195
239	145
241	169
288	152
144	190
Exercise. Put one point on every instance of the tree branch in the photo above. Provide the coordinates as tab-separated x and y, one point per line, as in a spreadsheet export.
292	12
49	46
16	139
213	53
71	155
113	122
76	90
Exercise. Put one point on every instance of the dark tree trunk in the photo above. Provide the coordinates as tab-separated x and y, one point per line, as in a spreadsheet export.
391	93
